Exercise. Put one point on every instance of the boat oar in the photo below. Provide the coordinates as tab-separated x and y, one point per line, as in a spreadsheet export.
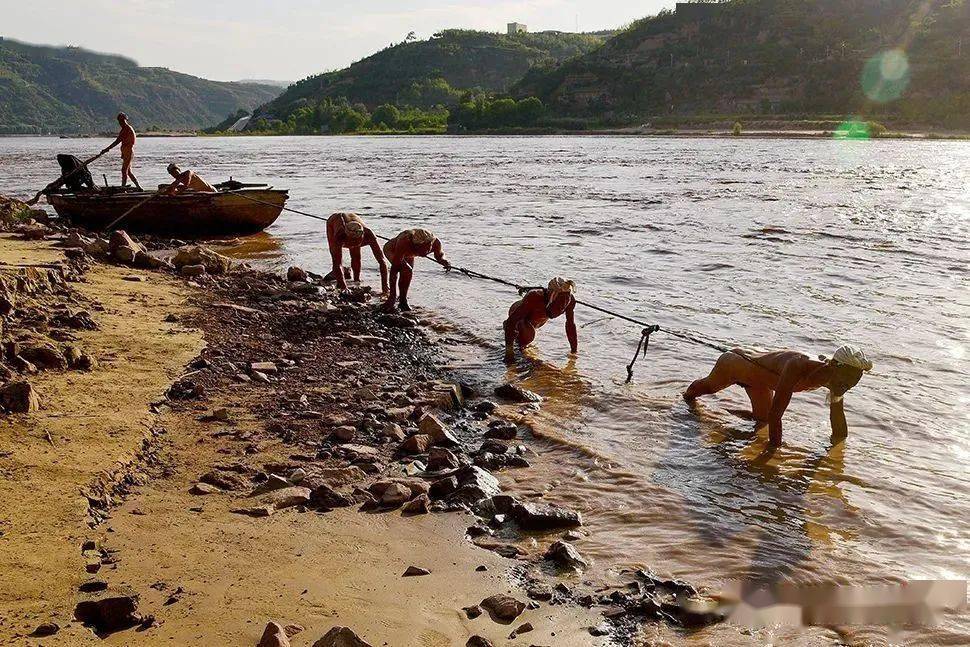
61	179
125	214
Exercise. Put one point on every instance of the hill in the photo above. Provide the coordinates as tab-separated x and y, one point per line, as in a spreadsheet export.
423	74
907	60
72	90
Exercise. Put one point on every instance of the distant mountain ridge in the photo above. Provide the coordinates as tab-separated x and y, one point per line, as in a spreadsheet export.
46	89
908	59
424	73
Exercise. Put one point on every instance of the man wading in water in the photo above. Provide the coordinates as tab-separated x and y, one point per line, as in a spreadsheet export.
348	230
401	252
127	140
532	311
771	379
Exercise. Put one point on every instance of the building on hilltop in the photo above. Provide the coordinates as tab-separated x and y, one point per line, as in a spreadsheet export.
517	28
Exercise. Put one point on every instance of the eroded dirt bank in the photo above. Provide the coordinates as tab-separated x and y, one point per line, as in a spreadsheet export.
239	448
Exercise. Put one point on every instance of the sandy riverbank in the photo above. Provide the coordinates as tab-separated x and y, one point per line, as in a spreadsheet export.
108	505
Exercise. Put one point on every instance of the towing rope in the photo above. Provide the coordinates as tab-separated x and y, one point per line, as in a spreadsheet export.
647	328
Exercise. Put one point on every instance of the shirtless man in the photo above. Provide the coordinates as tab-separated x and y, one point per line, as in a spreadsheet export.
348	230
532	311
401	252
771	379
187	181
127	140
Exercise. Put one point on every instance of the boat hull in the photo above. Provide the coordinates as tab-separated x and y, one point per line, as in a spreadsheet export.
183	215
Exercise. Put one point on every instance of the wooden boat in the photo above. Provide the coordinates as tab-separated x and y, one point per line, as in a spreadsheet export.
230	212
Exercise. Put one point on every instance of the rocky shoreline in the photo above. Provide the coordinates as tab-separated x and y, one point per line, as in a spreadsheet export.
314	402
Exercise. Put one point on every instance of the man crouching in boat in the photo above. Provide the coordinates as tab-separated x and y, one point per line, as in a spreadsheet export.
401	252
532	311
187	181
771	379
348	230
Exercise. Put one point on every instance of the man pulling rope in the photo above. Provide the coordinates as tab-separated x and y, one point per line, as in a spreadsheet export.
770	379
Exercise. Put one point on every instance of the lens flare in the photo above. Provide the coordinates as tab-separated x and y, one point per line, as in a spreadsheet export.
886	75
852	129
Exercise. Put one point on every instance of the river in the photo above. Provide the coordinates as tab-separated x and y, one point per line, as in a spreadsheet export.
769	243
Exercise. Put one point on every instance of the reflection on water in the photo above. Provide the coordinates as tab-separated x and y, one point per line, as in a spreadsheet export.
263	247
799	244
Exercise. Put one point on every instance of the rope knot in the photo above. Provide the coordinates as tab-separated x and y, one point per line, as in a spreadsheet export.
643	344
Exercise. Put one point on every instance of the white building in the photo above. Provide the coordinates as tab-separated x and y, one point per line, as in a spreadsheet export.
517	28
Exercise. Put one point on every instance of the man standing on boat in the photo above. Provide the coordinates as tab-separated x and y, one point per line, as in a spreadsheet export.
348	230
187	180
537	307
126	137
401	252
771	379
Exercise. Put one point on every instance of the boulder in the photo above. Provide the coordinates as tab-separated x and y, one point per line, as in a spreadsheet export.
503	608
272	482
44	630
416	444
502	432
493	446
341	637
439	433
440	458
323	496
420	504
443	488
192	271
109	614
19	397
274	636
296	274
199	255
43	355
123	248
478	641
524	628
516	393
416	571
338	476
394	495
544	516
202	489
286	497
474	484
565	555
344	433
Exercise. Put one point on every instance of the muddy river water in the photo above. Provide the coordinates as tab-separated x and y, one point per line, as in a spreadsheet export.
765	243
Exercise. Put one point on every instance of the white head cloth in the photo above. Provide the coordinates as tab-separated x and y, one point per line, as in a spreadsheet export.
852	356
559	284
421	236
353	226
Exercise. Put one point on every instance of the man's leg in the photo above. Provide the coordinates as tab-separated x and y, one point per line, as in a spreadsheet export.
720	378
406	274
525	333
760	402
392	292
125	169
355	262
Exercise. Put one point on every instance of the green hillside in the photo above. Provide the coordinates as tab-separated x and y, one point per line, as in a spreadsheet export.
423	74
903	60
71	90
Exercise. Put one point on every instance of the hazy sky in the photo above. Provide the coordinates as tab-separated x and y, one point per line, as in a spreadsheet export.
285	39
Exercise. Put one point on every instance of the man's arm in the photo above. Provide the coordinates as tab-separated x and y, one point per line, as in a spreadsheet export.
112	145
439	254
379	256
837	417
571	334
